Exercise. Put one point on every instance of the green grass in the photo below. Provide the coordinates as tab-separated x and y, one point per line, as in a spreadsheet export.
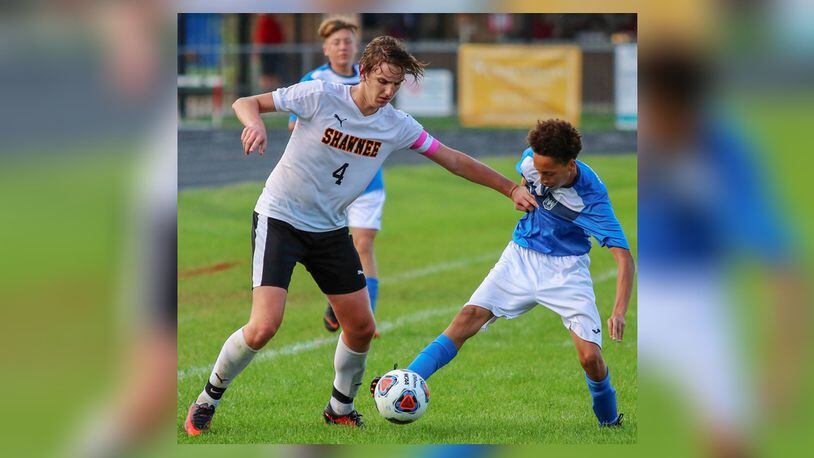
518	383
590	122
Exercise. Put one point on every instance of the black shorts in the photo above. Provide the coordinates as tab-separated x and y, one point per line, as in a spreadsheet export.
329	257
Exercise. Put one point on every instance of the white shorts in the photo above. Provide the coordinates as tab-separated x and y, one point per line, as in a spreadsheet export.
366	211
523	278
689	338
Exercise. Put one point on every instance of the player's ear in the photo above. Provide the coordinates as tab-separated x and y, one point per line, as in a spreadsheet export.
362	73
325	48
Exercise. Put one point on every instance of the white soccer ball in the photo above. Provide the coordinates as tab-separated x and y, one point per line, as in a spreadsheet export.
402	396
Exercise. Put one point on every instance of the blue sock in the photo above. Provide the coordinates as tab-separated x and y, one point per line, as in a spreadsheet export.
373	291
604	397
433	357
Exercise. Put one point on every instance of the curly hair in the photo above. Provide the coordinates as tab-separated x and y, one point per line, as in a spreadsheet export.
555	138
335	24
386	49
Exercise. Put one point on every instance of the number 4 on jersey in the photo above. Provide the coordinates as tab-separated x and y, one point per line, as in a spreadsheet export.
339	173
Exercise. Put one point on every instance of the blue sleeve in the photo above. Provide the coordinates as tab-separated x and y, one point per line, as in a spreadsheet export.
307	77
599	220
752	214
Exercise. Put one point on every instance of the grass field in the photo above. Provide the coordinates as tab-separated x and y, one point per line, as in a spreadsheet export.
518	383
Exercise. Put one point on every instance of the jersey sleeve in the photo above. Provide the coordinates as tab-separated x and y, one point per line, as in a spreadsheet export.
415	138
599	220
300	99
307	77
519	166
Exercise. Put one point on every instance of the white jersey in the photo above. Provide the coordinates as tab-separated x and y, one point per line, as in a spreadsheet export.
332	155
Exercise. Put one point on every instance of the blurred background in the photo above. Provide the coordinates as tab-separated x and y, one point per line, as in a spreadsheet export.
240	54
90	111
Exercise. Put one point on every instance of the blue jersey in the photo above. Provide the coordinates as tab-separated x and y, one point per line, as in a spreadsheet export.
326	73
567	216
707	203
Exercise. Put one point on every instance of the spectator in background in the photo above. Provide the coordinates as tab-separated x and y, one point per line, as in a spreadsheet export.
541	28
268	32
467	27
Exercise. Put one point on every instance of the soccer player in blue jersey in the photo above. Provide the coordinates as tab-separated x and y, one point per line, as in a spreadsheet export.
340	44
547	263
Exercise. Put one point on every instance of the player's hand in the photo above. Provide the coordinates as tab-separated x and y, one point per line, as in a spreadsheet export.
522	198
254	139
616	327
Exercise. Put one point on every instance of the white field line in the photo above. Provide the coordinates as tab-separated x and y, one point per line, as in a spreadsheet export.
300	347
440	267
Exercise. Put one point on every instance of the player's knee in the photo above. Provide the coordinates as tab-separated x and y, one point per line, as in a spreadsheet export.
364	245
257	335
368	330
469	320
362	331
591	359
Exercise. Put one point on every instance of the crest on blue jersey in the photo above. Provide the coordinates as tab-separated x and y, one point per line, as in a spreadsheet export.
549	202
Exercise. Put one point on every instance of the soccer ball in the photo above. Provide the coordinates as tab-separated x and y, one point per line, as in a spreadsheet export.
401	396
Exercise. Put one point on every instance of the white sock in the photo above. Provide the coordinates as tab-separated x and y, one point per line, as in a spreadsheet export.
350	368
235	355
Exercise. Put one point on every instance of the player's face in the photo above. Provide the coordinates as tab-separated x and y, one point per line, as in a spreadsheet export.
382	84
340	48
553	173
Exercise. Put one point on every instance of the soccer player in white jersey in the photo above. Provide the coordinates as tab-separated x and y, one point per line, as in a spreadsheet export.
365	213
342	136
547	263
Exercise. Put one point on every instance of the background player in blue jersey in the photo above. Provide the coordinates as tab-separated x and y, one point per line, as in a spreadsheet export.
547	263
365	213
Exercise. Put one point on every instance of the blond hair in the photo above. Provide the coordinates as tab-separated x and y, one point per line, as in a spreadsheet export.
331	25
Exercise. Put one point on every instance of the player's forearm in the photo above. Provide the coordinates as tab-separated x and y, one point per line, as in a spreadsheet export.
480	173
624	281
247	110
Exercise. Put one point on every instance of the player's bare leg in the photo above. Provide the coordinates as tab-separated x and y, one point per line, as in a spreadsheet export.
590	357
466	324
364	240
354	315
268	305
597	376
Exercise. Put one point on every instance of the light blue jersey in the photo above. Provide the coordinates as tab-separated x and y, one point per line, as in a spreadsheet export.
567	216
326	73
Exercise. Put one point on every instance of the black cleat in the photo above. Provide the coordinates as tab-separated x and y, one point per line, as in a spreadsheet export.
353	419
614	423
373	384
329	319
198	419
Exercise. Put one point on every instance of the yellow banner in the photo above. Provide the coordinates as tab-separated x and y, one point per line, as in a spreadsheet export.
515	85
